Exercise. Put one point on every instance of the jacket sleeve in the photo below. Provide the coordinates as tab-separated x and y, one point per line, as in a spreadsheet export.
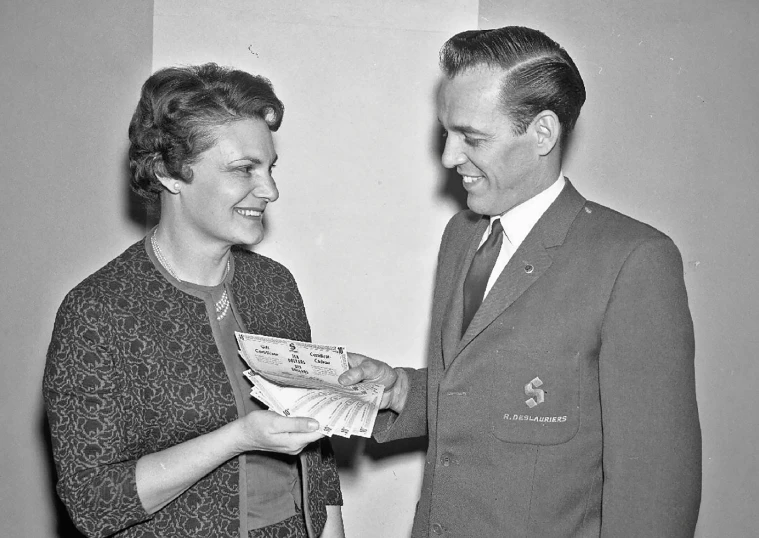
412	422
651	432
88	415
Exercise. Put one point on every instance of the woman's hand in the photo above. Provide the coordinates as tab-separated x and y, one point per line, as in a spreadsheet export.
162	476
266	430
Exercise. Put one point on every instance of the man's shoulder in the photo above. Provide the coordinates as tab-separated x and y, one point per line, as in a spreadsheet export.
608	238
602	222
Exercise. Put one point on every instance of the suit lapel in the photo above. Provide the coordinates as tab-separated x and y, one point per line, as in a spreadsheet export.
454	312
530	261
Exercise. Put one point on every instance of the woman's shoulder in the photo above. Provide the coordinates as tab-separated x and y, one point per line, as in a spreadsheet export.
127	273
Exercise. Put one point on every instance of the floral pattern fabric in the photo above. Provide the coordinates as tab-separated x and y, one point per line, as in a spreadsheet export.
133	368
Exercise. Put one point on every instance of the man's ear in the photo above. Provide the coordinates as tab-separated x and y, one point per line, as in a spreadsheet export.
547	131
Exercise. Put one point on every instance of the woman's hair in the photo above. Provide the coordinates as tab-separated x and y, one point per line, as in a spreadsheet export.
538	74
178	110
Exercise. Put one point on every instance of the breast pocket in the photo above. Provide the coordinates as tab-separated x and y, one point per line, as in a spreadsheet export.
536	397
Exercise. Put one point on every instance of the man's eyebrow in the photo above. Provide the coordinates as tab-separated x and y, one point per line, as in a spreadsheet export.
465	129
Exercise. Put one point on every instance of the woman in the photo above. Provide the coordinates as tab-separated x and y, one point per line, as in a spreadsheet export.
154	433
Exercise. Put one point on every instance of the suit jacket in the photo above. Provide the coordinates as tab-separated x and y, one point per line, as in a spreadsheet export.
568	407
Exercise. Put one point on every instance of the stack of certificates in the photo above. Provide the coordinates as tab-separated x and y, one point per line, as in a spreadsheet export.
299	379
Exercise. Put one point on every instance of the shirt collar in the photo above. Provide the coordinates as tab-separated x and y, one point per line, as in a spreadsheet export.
519	220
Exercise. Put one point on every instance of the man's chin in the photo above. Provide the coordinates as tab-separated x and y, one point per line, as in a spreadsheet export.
478	205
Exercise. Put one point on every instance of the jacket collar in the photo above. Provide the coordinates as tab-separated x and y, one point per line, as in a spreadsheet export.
530	261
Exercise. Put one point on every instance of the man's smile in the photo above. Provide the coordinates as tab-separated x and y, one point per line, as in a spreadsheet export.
249	213
468	180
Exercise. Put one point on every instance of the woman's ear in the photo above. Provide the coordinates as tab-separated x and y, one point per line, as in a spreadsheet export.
169	183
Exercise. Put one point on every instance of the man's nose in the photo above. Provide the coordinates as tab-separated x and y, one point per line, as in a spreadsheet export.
452	156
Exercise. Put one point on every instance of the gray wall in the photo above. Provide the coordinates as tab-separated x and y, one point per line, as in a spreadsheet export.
71	72
667	136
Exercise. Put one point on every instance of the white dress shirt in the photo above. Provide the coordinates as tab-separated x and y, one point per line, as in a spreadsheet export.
517	223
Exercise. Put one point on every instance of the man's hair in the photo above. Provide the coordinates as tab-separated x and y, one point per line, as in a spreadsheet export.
178	110
538	73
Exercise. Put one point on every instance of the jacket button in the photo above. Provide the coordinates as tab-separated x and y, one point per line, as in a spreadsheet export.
445	460
528	269
437	529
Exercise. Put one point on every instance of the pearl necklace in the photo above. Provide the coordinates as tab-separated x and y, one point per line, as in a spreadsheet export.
221	306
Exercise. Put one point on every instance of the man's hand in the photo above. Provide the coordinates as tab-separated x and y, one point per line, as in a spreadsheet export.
370	370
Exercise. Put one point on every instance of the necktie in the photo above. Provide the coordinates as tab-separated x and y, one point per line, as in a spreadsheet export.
477	278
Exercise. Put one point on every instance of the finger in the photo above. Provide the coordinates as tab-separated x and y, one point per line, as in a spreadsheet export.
303	439
353	375
295	425
354	359
294	443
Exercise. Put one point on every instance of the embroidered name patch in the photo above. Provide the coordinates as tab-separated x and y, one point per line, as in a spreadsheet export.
529	418
537	398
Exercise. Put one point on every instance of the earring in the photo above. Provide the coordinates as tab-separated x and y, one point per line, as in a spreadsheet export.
177	187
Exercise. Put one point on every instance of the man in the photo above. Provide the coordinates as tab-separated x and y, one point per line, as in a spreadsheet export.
563	403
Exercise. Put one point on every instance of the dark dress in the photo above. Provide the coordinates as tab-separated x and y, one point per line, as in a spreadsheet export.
133	368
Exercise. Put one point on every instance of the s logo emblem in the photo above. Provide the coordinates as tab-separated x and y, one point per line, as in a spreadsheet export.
531	389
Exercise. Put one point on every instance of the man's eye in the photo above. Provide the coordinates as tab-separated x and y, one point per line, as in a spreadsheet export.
444	134
473	142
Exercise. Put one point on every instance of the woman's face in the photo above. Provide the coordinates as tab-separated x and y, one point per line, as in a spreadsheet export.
231	185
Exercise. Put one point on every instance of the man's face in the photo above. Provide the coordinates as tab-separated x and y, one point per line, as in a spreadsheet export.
499	169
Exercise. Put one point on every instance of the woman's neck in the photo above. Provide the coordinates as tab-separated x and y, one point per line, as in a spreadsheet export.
188	259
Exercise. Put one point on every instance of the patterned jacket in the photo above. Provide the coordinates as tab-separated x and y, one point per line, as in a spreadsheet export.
133	369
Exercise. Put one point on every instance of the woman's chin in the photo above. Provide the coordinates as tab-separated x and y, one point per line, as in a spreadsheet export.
251	239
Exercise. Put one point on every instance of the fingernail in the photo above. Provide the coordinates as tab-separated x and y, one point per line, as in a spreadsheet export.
313	425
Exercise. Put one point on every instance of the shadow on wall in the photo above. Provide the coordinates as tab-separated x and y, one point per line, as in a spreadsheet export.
136	208
348	450
450	180
136	212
